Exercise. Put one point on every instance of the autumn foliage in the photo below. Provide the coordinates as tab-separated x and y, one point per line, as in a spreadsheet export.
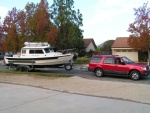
140	29
57	25
32	24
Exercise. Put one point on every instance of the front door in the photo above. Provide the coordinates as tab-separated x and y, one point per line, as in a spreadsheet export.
120	67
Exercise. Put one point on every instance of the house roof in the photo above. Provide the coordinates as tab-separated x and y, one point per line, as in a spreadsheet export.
87	41
121	42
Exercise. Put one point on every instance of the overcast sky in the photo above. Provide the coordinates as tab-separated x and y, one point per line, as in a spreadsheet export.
102	19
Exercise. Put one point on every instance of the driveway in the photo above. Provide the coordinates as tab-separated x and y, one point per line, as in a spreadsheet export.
27	99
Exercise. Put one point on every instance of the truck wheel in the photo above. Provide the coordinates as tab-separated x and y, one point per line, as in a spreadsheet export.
99	72
135	75
68	67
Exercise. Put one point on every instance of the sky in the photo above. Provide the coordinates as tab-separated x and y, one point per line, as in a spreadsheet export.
102	19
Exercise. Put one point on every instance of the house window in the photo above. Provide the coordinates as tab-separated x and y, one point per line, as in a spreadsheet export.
123	50
129	50
118	50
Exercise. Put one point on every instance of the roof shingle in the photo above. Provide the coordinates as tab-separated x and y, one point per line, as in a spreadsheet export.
87	41
121	42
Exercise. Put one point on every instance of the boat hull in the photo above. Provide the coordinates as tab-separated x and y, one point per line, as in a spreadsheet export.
40	61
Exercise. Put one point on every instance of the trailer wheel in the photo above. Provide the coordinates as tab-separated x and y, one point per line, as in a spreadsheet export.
25	69
68	66
19	68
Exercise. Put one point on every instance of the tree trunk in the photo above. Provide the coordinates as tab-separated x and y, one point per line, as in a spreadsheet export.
149	56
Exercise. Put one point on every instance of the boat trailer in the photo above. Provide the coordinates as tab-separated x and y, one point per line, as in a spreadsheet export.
27	68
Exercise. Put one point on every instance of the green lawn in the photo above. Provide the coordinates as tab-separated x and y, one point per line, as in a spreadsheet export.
36	73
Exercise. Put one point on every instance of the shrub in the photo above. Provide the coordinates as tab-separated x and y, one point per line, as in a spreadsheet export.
82	60
82	53
90	53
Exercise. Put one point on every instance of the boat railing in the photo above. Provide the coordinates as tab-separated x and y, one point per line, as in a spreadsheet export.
36	44
66	51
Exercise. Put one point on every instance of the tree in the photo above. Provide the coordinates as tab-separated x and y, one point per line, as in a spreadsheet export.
10	29
106	46
21	26
97	51
14	29
45	30
59	26
30	9
1	37
139	38
1	31
39	27
68	22
31	24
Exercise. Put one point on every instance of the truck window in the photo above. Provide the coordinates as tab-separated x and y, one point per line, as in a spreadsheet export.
96	59
109	61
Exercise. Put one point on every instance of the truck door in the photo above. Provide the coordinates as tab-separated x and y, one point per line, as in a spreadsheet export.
109	65
121	68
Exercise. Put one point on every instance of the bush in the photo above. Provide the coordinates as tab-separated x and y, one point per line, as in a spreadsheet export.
143	56
82	60
82	53
90	53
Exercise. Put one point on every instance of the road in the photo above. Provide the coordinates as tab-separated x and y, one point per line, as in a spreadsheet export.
88	75
26	99
67	95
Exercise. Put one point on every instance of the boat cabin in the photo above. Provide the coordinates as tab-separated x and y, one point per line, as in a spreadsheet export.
36	50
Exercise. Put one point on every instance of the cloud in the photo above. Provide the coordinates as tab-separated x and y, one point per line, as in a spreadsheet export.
3	12
105	10
110	19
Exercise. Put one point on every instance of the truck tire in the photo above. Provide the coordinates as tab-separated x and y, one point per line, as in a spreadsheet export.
99	72
135	75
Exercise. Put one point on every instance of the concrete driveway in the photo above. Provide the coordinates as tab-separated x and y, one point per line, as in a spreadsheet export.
27	99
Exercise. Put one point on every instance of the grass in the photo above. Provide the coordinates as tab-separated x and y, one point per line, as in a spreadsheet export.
36	73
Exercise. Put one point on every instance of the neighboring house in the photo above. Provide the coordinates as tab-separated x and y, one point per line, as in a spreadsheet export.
89	44
121	47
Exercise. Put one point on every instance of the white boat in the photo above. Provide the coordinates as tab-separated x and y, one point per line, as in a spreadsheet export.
38	55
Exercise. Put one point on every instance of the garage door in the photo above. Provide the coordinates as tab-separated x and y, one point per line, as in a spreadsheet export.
131	55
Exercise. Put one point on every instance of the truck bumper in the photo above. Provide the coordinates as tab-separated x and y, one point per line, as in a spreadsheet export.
145	73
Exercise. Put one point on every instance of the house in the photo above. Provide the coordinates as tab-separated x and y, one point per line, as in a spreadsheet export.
89	44
121	47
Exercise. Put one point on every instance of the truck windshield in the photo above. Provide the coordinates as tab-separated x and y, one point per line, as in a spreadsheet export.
128	61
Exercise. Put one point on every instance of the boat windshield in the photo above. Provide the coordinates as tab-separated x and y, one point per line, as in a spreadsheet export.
128	61
48	50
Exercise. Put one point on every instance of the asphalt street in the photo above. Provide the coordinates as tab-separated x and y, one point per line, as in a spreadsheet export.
26	99
82	72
